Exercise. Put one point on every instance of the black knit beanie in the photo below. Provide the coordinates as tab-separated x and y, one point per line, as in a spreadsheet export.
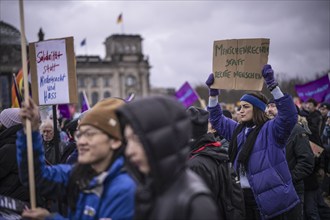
199	118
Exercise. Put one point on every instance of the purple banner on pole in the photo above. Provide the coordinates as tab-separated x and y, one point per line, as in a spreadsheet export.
64	111
186	95
84	106
84	103
318	89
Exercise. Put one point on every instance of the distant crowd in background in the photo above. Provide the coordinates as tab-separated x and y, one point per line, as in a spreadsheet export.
152	158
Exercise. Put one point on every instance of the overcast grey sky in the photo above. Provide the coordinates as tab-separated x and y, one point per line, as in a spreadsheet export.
178	35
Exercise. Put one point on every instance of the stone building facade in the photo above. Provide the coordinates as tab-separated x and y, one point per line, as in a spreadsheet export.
10	60
123	71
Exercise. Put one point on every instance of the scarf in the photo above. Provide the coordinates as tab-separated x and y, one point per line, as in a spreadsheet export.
247	147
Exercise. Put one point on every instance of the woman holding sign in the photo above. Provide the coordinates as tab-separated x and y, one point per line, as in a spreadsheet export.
97	187
257	149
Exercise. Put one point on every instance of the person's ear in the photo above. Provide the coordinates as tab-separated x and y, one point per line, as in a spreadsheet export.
115	144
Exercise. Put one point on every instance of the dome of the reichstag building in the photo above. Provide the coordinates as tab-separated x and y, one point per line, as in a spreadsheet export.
9	35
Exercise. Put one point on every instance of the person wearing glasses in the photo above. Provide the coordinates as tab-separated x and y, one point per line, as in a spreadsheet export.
48	134
96	187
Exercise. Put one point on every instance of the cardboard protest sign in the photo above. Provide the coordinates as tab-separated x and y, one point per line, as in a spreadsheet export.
237	63
53	71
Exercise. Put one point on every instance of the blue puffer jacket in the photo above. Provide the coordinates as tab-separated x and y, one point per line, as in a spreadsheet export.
109	195
267	170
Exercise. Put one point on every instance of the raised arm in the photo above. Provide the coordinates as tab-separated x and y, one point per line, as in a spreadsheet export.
48	179
223	125
287	117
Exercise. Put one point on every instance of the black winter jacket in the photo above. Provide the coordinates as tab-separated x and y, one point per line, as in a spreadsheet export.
10	184
170	191
50	152
206	166
314	123
300	157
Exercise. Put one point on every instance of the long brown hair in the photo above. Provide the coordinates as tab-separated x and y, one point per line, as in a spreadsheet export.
259	116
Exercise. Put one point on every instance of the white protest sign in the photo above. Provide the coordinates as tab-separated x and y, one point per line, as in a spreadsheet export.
53	72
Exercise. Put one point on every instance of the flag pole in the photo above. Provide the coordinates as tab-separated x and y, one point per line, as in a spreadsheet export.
130	97
201	101
120	21
28	122
122	27
86	49
86	100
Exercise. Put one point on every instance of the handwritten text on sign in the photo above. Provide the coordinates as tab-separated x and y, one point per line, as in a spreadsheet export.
52	72
237	63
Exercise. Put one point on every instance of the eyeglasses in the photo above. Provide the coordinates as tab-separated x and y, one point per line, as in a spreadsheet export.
47	131
87	133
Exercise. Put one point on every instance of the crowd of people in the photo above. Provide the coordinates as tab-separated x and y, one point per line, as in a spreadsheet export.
152	158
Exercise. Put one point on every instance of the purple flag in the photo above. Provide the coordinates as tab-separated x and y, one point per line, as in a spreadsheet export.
186	95
130	98
318	89
84	103
64	111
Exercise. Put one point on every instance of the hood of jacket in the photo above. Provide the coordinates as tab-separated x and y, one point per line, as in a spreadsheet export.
164	129
208	145
8	136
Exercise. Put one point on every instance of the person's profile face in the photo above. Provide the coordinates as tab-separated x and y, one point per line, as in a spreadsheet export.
310	107
135	152
271	110
324	111
246	112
